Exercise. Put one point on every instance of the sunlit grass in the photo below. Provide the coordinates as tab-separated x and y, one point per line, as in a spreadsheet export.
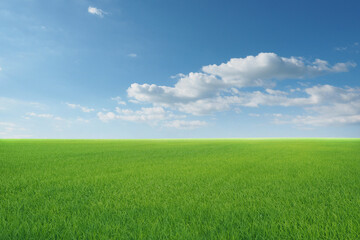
180	189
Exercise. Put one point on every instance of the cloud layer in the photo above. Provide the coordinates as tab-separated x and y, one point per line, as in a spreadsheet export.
262	70
227	86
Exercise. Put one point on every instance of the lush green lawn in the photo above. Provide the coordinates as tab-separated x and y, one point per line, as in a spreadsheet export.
180	189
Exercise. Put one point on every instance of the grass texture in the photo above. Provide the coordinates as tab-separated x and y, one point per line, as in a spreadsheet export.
180	189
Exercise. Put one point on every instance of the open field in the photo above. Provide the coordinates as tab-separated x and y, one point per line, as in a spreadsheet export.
180	189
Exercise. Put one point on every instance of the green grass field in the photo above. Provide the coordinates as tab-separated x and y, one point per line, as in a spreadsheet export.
180	189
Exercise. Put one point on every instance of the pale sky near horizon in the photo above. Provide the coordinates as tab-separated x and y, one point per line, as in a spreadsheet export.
179	69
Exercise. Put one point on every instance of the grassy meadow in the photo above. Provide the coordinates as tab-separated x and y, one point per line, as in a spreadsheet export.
180	189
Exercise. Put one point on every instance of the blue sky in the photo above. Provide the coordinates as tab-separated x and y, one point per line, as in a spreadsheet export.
179	69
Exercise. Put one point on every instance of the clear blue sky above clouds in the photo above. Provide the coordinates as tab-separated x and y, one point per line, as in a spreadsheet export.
179	69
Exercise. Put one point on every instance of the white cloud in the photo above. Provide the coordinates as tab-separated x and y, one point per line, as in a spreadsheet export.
132	55
354	47
82	120
254	115
11	130
7	124
151	115
295	90
206	106
0	69
325	121
183	124
205	88
262	69
105	117
325	104
340	49
329	105
221	88
217	87
118	100
276	92
42	115
245	99
179	75
11	104
190	87
96	11
77	106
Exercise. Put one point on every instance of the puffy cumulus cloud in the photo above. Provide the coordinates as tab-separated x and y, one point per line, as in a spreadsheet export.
77	106
184	124
259	70
220	88
329	105
328	93
189	88
206	88
321	99
96	11
257	98
207	106
245	99
105	117
318	96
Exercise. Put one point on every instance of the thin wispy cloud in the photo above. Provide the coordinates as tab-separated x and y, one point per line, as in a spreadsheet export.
151	115
13	103
96	11
183	124
350	48
12	130
118	100
42	115
82	120
132	55
340	49
82	108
